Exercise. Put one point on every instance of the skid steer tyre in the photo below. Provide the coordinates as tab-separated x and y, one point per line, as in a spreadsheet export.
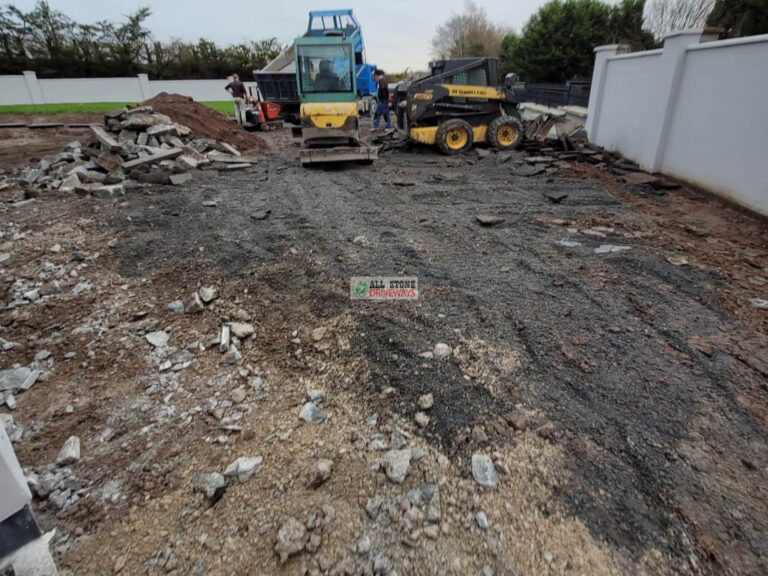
454	136
505	133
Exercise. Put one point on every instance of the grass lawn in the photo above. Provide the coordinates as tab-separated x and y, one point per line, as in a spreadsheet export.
223	106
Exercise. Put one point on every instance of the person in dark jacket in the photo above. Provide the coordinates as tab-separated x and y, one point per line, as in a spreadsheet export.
240	96
382	100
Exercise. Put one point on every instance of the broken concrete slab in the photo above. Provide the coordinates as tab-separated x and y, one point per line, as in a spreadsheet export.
232	167
187	162
143	120
489	219
164	155
539	159
108	161
179	179
162	129
21	378
230	159
70	452
106	140
69	183
229	148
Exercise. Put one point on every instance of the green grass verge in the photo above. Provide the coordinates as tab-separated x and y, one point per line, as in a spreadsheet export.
85	108
224	107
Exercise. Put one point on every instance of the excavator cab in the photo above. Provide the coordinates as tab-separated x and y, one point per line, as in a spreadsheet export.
325	79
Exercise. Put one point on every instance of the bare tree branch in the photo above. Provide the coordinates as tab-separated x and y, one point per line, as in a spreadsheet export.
664	16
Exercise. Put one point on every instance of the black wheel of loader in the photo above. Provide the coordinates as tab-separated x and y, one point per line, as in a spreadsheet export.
505	133
454	136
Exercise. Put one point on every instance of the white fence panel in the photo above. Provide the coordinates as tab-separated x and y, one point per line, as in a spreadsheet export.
695	110
28	89
624	122
66	90
14	90
718	135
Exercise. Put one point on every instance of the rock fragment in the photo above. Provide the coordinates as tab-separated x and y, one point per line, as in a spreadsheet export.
158	339
426	401
483	471
70	452
321	472
243	468
291	539
208	294
442	350
242	329
312	413
482	521
212	486
397	463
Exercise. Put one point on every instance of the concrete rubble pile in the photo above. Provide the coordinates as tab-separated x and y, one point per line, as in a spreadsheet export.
136	146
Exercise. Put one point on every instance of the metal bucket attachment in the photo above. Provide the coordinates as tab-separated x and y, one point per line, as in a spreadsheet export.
345	154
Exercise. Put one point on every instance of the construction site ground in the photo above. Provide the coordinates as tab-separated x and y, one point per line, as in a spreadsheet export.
622	394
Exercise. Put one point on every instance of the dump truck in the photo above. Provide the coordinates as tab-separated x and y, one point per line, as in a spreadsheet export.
458	105
277	80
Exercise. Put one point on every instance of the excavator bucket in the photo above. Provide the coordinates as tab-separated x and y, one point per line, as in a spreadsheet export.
340	154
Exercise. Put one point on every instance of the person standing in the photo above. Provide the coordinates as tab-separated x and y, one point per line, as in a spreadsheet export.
382	100
240	96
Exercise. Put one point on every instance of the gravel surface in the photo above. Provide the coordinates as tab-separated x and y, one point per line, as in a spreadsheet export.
620	393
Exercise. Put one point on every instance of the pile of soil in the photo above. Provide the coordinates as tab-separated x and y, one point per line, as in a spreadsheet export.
205	121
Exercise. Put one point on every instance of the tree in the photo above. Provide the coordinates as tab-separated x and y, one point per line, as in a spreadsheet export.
52	44
664	16
558	41
627	20
468	34
740	17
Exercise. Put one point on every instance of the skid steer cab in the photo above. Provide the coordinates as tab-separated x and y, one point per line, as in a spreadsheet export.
325	77
458	105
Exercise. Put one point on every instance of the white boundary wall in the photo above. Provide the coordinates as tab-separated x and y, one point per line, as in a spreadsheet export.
28	89
696	109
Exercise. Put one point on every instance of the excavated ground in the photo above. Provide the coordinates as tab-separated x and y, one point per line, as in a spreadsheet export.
643	371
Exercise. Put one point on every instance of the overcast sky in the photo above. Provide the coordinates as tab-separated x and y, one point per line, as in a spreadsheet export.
397	33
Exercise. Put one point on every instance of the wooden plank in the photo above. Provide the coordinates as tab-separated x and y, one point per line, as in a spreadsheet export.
106	140
164	155
12	125
45	125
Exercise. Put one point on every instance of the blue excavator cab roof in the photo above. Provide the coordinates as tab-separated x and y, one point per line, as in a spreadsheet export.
331	22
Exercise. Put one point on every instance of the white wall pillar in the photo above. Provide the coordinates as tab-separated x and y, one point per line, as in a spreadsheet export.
144	86
670	75
34	87
602	53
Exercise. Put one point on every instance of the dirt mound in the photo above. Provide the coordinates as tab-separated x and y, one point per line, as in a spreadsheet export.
205	121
